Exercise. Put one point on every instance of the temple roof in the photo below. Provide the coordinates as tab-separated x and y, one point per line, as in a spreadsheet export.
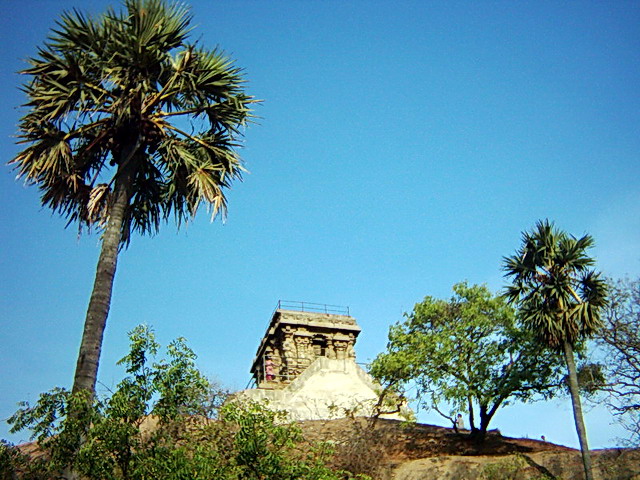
295	318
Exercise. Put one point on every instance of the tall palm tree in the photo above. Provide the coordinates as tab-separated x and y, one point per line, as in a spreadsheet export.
560	299
127	125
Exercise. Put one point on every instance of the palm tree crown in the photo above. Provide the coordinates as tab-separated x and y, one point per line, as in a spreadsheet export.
125	99
560	296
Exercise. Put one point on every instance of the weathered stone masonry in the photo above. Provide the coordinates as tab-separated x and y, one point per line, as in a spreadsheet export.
295	339
306	366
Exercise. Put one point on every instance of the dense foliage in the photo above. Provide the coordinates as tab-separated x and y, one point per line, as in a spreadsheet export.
620	339
164	420
468	353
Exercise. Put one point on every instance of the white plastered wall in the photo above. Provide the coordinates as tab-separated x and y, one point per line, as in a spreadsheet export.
327	389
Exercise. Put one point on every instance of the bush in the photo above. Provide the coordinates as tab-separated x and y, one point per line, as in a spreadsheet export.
164	420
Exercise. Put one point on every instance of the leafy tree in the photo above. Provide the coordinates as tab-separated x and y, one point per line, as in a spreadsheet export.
620	339
158	424
467	352
128	124
560	299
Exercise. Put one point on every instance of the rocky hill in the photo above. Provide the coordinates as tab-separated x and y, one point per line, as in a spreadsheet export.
392	450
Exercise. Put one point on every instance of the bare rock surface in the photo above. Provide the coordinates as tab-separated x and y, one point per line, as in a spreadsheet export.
393	450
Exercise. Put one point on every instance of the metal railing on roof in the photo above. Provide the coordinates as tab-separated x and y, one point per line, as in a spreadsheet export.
312	307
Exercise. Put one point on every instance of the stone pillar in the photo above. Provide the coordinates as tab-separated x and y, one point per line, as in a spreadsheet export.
331	349
350	351
341	349
289	354
304	358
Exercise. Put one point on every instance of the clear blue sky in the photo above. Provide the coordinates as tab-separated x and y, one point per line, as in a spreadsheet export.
401	149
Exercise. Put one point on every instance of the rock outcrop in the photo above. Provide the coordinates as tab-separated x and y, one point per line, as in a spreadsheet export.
393	450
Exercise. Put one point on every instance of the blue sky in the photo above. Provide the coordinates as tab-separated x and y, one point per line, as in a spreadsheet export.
400	149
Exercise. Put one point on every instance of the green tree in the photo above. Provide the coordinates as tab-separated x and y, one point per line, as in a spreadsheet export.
158	423
468	353
620	341
560	299
127	125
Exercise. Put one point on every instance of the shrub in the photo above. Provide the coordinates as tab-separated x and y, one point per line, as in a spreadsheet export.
164	420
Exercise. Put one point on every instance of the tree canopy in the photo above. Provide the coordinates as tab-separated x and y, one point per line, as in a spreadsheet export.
558	293
468	353
620	339
125	96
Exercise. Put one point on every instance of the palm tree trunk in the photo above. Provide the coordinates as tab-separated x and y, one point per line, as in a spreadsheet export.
91	345
577	410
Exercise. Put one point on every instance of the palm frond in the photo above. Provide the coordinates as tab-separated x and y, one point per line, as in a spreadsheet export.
559	298
101	86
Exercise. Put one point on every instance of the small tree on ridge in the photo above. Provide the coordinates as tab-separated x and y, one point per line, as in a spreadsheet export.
468	353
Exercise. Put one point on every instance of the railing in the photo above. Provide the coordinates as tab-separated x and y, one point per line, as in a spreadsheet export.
312	307
308	307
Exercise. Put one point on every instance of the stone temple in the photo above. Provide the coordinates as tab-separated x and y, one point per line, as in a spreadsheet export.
306	364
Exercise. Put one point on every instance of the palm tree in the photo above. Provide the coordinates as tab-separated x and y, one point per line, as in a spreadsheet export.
128	125
560	299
